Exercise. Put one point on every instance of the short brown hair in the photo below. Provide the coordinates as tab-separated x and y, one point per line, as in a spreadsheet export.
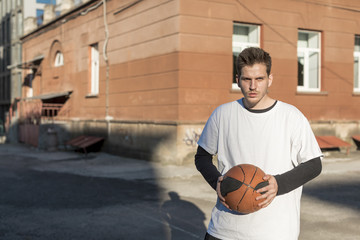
250	56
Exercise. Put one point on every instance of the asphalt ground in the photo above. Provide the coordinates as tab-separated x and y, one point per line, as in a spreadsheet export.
67	195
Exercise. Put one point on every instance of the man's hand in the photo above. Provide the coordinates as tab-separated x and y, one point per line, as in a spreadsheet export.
269	191
222	199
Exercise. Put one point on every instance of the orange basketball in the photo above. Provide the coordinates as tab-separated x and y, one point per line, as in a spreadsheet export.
239	188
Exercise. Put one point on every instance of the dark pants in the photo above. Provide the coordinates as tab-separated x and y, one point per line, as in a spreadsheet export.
209	237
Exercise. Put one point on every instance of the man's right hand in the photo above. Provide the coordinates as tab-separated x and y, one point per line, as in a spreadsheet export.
221	198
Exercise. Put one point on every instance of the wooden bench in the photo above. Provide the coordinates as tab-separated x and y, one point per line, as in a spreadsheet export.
84	141
330	142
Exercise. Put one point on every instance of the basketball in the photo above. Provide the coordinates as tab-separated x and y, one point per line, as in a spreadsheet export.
239	188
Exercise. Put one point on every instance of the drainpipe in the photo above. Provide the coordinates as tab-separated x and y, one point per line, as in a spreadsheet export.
106	61
107	117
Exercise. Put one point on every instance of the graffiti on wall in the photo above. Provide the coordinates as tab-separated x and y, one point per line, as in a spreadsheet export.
192	136
125	136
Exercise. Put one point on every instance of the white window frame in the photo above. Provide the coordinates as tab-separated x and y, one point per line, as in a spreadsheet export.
242	45
357	55
306	51
95	69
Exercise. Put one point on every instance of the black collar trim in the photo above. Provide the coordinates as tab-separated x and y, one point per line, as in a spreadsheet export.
260	110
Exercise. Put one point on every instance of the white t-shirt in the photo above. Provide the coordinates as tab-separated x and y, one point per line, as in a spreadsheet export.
276	141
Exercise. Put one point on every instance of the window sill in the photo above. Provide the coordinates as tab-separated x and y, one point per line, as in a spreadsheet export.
234	90
357	94
312	93
92	95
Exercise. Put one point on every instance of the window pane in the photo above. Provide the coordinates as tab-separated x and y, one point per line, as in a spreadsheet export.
246	34
313	40
300	70
59	59
234	67
308	40
46	1
302	40
357	43
253	34
39	16
241	34
94	69
313	70
356	72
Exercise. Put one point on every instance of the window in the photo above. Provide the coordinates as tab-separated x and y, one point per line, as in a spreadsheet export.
39	16
308	52
244	35
56	55
59	59
356	64
53	2
94	69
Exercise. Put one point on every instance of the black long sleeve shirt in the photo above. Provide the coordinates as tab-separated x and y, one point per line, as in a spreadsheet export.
287	181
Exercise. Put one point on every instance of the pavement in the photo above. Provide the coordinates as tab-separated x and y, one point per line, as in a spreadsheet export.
330	203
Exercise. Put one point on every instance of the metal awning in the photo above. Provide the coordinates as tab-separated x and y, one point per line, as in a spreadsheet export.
32	64
329	142
50	95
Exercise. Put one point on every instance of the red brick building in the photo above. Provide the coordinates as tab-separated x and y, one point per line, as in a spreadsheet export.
147	74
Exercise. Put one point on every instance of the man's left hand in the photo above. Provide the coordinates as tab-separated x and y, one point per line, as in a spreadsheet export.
269	191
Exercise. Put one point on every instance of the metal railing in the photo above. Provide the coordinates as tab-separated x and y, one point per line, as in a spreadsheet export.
36	111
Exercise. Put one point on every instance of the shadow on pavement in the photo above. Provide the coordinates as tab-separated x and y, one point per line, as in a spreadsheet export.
183	216
58	190
346	193
41	205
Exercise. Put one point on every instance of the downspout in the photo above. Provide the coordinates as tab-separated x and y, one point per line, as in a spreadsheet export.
107	117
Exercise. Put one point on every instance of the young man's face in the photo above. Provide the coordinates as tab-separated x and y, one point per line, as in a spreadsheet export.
254	83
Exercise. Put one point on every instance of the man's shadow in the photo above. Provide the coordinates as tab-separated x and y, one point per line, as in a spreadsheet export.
186	220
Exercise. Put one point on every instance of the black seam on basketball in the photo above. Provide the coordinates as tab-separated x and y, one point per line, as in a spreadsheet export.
241	198
245	185
243	173
248	185
253	177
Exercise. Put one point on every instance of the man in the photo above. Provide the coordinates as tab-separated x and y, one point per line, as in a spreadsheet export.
267	133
